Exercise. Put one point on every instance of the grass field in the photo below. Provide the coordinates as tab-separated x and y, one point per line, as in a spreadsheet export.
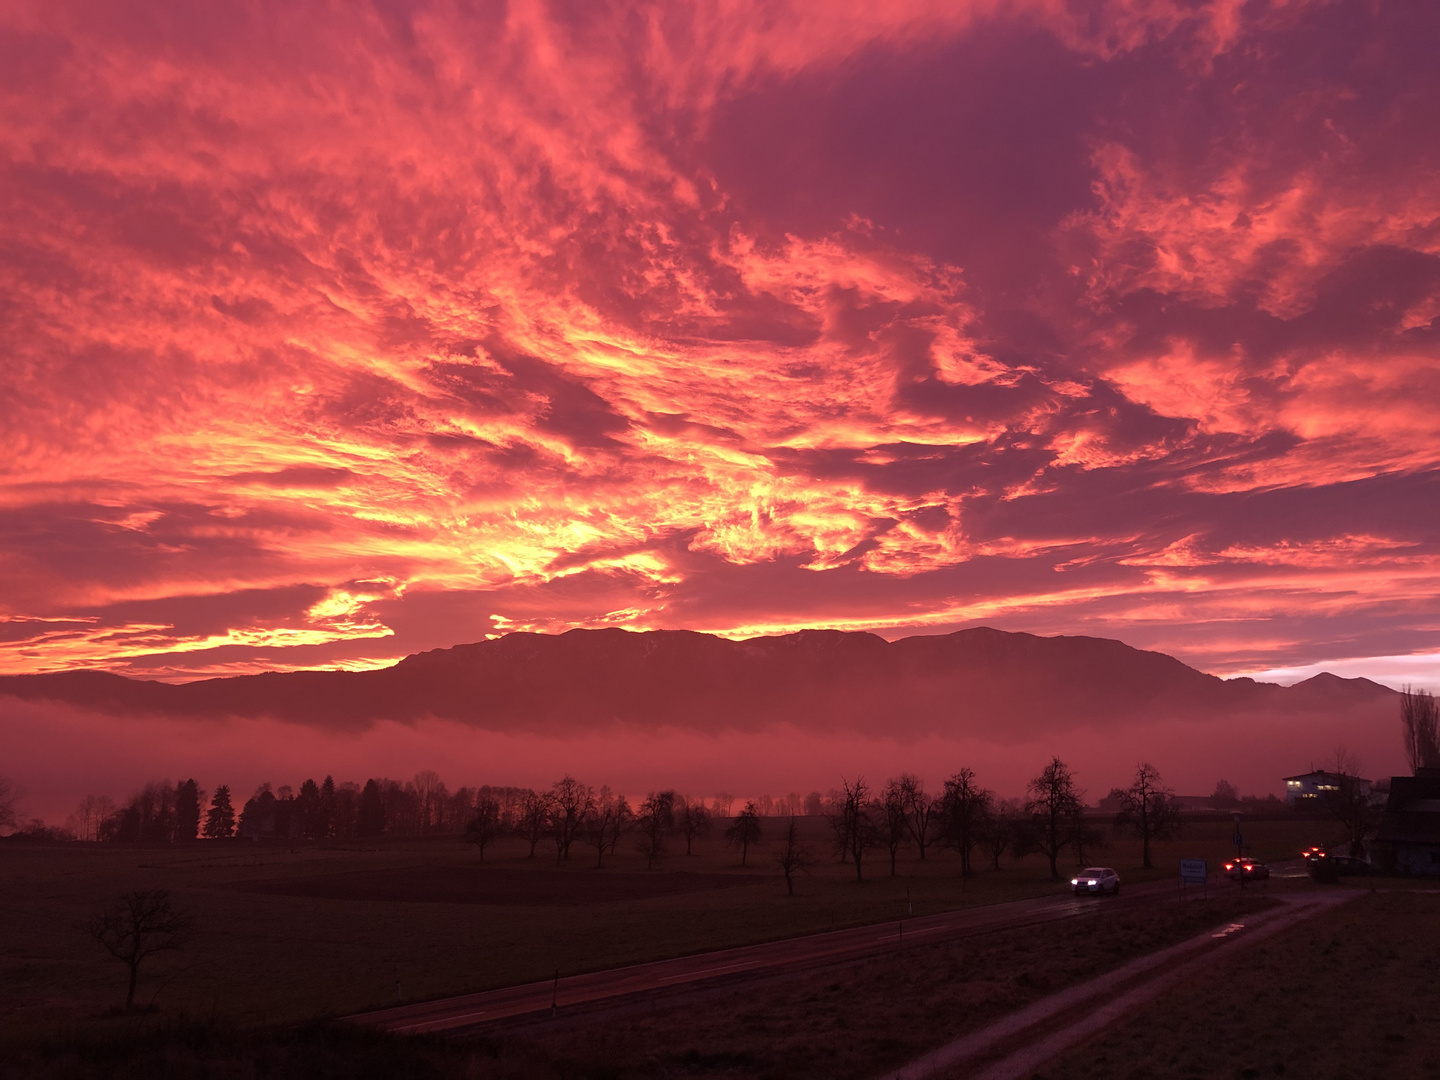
846	1021
260	956
1349	996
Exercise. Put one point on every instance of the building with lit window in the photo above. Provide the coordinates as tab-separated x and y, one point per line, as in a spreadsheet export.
1309	788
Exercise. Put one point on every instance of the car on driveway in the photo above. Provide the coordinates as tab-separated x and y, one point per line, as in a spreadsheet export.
1246	869
1096	879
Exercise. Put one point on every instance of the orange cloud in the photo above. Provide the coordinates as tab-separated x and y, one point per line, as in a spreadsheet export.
687	315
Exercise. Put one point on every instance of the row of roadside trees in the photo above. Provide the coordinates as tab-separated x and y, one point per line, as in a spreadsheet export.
971	820
902	815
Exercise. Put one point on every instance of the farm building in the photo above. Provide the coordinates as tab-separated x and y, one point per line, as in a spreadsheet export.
1408	841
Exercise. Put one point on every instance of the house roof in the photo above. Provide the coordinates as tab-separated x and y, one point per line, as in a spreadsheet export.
1314	774
1407	790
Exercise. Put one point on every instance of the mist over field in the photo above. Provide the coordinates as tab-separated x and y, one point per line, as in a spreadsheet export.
702	714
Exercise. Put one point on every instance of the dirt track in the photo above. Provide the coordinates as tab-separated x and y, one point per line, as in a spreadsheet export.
1014	1047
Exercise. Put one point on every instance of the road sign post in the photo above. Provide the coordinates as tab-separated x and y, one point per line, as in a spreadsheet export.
1194	872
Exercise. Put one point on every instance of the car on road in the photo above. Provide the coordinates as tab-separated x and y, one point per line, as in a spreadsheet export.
1314	851
1096	879
1246	869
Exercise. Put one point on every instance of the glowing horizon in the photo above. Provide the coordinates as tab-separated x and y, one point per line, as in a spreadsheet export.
331	341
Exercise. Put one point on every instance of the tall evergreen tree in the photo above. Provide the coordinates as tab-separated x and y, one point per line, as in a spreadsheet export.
327	807
310	823
220	821
371	819
187	810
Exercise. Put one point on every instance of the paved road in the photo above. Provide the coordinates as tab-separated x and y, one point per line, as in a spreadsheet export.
448	1014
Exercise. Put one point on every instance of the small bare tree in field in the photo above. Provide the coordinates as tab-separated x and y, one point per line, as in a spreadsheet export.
997	835
1420	725
532	819
604	823
692	820
744	831
569	803
856	827
486	826
656	820
1147	808
922	810
138	925
794	858
894	820
965	808
1054	806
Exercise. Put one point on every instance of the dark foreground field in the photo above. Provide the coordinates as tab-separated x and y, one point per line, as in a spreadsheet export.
287	937
1353	995
842	1021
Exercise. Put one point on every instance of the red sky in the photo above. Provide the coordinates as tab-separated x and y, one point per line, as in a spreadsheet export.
333	333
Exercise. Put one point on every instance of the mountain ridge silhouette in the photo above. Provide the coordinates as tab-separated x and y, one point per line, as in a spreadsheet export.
977	680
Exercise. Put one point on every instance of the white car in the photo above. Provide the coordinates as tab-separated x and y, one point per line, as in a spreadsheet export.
1096	879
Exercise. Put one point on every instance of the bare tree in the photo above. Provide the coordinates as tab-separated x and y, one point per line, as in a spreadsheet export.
1420	724
923	811
834	809
1147	808
486	826
965	806
429	794
794	858
533	818
569	803
997	834
137	925
692	820
722	804
605	821
1054	806
92	812
894	819
744	830
1346	797
1083	837
857	827
656	820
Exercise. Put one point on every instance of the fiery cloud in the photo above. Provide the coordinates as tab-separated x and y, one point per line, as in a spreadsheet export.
334	334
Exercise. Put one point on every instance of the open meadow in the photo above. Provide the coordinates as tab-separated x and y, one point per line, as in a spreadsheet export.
289	932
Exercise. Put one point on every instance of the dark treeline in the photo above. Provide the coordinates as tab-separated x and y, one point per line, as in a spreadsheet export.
867	822
962	816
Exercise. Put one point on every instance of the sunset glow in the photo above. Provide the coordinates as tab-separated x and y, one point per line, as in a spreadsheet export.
332	334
